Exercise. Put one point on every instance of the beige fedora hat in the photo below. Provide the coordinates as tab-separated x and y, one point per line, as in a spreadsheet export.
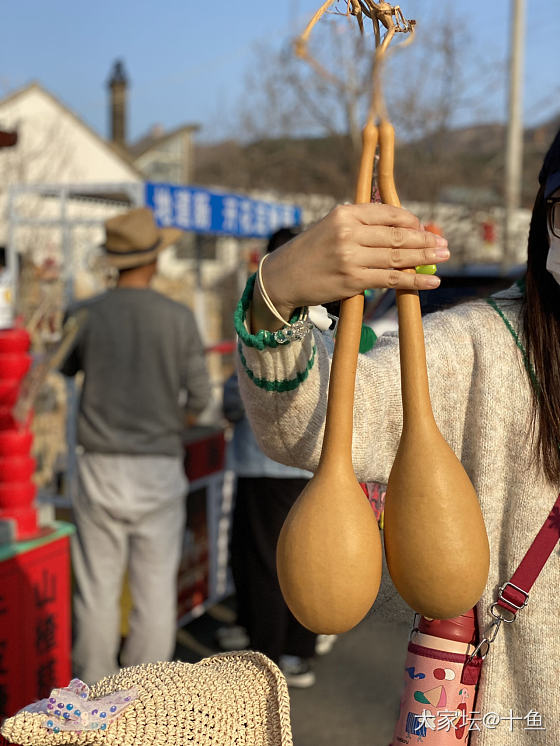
234	698
133	238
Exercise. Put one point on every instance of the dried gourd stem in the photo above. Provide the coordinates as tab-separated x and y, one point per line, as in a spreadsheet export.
304	37
381	14
355	9
301	46
392	19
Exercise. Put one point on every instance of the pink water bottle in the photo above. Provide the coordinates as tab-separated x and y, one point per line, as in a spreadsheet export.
440	682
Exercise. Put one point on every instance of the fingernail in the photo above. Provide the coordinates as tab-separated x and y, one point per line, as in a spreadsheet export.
431	282
442	254
440	240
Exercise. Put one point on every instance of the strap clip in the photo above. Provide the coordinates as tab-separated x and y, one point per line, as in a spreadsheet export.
501	596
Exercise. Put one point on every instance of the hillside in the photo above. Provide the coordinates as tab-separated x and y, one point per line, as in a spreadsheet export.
455	165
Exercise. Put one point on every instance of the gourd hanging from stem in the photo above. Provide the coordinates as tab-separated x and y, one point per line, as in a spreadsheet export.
329	551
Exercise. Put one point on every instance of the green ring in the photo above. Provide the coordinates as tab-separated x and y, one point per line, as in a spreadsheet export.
426	269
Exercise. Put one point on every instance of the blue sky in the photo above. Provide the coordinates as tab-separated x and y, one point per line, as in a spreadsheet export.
187	58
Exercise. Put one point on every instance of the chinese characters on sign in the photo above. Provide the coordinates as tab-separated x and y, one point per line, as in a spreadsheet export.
45	598
34	621
206	211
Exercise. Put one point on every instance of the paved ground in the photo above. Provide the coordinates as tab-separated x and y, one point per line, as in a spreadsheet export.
355	700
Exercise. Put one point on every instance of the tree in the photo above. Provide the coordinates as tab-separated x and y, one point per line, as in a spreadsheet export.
429	86
287	98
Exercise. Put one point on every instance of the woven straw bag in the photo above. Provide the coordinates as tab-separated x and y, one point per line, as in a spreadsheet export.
235	698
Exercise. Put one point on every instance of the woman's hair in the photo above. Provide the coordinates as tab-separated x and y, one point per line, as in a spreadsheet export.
541	326
279	238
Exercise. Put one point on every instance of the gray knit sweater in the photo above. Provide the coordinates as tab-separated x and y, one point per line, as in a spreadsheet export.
481	397
138	349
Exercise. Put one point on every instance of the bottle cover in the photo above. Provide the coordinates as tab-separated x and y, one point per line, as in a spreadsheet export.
439	689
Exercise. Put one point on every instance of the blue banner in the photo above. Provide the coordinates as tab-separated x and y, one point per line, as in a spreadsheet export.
208	211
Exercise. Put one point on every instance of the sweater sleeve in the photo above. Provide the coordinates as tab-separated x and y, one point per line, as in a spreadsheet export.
285	393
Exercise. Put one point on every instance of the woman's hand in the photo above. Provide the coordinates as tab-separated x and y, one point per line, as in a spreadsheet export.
353	248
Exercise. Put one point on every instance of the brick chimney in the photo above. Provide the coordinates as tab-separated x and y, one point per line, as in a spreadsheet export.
118	85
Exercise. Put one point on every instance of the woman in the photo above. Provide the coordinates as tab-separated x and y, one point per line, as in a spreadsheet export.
265	492
494	372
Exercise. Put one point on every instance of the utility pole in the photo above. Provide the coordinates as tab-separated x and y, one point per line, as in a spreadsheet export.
514	141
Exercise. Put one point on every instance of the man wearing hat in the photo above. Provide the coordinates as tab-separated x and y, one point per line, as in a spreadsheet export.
138	351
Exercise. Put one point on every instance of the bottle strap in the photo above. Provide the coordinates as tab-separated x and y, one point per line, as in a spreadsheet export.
514	595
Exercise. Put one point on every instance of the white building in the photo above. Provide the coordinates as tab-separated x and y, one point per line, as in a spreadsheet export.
55	147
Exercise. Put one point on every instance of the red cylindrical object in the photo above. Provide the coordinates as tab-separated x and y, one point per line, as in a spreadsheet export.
14	340
17	490
16	468
14	365
9	392
461	628
25	519
15	442
7	421
17	495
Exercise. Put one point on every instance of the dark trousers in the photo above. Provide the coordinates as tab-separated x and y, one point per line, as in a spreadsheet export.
261	506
